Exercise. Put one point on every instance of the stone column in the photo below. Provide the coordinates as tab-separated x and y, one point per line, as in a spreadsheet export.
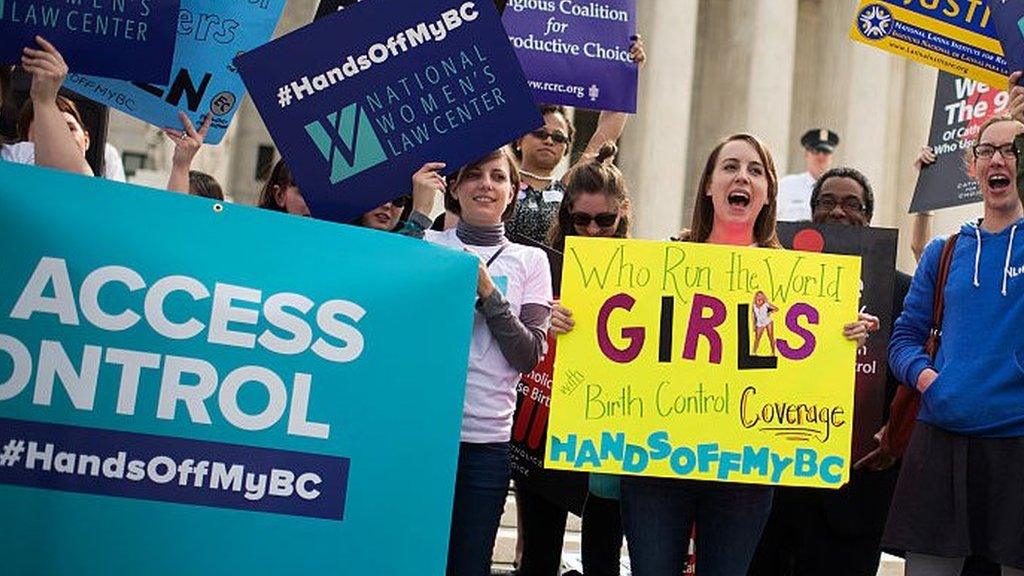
770	87
744	78
655	142
918	99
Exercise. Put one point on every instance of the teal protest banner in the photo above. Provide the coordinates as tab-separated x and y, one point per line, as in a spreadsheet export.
195	387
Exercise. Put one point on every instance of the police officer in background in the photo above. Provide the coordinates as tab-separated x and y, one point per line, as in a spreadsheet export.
794	200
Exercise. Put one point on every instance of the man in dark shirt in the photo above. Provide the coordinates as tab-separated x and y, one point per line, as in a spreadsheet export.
836	532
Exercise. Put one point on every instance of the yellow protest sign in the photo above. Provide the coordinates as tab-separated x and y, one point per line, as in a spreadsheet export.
706	362
957	36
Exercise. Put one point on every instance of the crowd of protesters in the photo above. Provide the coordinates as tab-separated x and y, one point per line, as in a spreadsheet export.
953	505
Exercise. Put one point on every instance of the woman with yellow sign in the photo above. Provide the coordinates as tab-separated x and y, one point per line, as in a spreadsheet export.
735	205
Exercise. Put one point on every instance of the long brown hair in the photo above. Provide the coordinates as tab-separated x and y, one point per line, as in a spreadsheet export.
599	176
704	209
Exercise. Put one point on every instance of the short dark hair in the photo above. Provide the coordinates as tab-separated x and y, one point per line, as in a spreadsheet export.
853	174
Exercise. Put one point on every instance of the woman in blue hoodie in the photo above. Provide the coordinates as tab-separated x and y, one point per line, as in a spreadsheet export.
961	488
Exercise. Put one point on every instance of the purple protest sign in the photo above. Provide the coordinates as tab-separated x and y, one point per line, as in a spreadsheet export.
576	52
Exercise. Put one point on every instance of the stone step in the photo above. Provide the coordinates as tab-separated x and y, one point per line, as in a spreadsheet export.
505	547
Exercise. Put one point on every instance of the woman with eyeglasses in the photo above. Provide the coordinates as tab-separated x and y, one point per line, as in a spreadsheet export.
595	204
540	151
959	491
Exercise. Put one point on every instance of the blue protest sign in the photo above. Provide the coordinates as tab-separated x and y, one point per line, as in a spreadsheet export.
129	39
576	53
203	78
358	100
326	7
1008	18
194	387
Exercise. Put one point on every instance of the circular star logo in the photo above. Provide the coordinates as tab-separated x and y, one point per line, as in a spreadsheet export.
874	22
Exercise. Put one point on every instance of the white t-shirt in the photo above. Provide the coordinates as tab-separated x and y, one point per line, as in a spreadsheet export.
113	168
25	153
794	202
19	153
524	277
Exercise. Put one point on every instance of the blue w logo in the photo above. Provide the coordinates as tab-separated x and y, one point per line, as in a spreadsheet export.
347	141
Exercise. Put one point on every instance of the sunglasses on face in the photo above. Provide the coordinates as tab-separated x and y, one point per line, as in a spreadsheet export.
849	204
556	136
401	201
582	220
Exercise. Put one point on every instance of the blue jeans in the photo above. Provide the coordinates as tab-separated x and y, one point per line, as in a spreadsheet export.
481	485
658	515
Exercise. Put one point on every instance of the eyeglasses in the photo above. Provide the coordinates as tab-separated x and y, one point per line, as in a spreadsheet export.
582	219
988	150
849	204
556	137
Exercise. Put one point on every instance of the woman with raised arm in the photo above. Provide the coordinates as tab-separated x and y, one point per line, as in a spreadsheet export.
509	333
58	141
540	151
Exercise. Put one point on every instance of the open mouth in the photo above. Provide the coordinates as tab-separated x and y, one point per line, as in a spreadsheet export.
484	199
998	182
739	198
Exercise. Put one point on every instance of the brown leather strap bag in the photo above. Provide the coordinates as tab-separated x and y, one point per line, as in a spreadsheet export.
903	410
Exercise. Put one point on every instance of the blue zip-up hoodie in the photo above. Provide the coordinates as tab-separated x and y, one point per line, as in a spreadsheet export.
980	387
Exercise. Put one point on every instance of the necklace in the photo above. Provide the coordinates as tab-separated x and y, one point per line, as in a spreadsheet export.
536	177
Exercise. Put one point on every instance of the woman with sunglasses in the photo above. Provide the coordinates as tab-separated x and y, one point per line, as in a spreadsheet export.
959	490
540	151
385	217
281	193
509	335
595	205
